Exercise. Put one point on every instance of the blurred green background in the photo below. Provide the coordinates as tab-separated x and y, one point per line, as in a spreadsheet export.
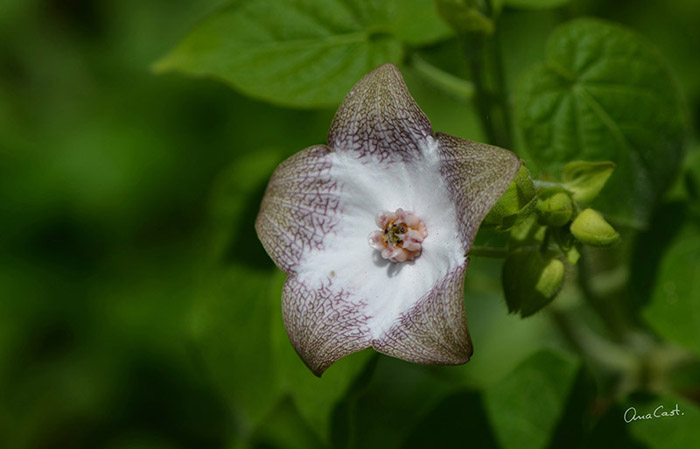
120	190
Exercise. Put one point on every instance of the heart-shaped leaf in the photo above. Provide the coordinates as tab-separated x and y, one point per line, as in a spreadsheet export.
603	93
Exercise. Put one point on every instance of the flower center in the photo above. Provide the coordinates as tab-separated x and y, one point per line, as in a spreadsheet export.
401	236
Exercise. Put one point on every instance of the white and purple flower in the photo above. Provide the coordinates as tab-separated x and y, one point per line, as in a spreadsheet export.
374	230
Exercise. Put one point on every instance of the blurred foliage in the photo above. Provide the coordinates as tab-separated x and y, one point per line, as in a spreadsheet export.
674	311
544	379
303	53
604	94
138	310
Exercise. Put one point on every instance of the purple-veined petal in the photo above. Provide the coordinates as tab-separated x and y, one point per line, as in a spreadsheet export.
379	121
434	330
300	207
324	324
350	268
477	174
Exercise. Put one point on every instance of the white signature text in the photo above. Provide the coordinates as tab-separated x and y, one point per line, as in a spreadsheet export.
659	412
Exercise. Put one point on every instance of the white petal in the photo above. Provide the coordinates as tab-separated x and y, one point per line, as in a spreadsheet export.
387	289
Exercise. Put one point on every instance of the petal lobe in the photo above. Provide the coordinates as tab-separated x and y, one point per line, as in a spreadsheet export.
323	324
380	121
476	174
300	207
434	330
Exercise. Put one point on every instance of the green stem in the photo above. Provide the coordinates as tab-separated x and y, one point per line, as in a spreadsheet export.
544	246
608	311
609	357
448	83
492	103
502	94
474	50
488	251
545	184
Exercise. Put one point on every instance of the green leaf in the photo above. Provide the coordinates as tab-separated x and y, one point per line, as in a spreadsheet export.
676	430
232	316
674	311
648	252
232	325
457	422
284	428
416	22
524	407
604	93
535	4
691	178
234	204
302	53
392	404
585	180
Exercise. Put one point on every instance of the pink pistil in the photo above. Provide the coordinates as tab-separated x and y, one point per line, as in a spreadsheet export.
401	236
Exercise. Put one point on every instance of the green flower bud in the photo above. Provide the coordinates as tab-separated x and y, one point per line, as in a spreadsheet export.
518	201
554	206
531	281
572	255
585	180
591	229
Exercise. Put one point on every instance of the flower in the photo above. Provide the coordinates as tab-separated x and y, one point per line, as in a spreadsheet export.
374	229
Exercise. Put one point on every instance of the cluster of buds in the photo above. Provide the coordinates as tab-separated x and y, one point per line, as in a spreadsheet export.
549	223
